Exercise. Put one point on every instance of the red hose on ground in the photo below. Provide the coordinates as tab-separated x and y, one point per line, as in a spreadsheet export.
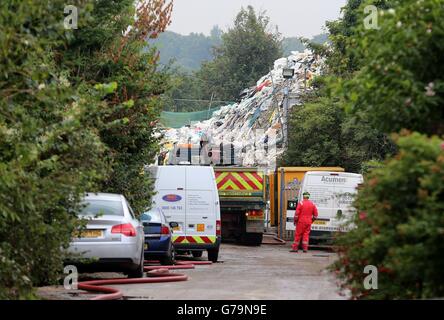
156	274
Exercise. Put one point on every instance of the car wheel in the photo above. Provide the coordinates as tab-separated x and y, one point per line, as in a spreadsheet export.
197	254
213	254
138	272
170	258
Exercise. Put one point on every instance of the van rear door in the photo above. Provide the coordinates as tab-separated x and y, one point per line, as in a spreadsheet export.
321	194
170	187
345	193
200	205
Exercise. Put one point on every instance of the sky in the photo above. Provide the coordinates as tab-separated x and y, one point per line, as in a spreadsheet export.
293	17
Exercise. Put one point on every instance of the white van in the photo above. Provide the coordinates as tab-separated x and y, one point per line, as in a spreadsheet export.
333	194
188	195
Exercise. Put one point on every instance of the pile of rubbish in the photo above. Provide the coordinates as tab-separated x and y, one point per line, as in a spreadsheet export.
253	129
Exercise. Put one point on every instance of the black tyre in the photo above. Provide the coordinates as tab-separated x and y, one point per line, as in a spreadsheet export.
169	259
213	254
197	254
138	272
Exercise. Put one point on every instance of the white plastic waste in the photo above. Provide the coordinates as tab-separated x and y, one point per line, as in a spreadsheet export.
254	125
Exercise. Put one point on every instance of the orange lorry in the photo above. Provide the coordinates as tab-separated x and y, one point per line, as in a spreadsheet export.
287	179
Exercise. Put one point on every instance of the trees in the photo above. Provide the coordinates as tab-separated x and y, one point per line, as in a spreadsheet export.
396	86
49	151
401	86
322	134
77	113
247	52
357	139
399	225
107	51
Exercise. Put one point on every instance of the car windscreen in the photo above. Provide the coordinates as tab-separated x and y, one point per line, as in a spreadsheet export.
151	216
102	207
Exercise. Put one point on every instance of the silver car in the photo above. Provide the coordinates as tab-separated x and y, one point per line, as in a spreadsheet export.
113	237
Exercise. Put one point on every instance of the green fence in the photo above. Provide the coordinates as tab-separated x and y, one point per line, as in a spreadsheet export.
180	119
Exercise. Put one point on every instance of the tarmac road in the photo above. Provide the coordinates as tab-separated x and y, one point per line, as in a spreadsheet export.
268	272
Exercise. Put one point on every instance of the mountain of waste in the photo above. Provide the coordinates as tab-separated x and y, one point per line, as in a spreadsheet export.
253	129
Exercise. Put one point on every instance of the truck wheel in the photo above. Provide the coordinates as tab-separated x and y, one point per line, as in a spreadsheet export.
252	239
197	254
213	254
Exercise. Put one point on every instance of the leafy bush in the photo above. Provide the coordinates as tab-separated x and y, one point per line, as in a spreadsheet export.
399	225
77	114
400	84
322	134
49	154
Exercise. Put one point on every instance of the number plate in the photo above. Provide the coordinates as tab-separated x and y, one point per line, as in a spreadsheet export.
320	222
88	234
200	227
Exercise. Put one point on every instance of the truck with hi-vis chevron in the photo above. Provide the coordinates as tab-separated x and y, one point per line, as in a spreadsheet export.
208	204
210	197
242	200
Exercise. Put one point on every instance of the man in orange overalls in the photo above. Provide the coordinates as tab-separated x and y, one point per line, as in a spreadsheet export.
306	213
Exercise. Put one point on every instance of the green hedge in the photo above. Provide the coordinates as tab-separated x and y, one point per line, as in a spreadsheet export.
399	225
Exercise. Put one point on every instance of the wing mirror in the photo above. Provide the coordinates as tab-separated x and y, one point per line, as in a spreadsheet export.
174	224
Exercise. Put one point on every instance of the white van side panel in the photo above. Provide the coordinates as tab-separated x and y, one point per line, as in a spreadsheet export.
322	195
188	195
170	187
201	202
331	192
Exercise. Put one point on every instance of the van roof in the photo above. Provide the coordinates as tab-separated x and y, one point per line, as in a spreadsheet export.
103	196
347	174
305	169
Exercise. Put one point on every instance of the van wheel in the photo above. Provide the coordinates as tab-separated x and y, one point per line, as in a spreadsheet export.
197	254
213	254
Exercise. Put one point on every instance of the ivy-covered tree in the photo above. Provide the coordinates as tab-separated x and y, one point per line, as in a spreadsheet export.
399	226
398	85
112	49
77	114
247	52
50	153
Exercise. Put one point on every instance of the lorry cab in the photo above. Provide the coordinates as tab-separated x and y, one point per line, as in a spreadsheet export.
188	196
333	194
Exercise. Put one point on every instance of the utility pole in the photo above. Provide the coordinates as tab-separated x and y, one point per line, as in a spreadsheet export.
288	74
285	118
209	106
